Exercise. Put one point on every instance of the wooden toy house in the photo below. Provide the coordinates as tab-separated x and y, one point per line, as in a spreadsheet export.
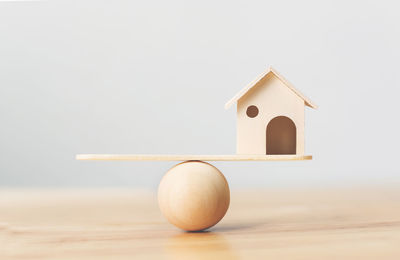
270	116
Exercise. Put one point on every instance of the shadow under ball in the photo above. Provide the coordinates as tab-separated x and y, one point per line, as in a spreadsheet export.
193	195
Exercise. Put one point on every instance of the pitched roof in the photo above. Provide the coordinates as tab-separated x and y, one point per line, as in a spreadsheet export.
242	92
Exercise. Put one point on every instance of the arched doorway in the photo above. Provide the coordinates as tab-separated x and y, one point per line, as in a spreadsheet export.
281	136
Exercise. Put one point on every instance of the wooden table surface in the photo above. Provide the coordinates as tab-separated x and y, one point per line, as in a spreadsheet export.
351	223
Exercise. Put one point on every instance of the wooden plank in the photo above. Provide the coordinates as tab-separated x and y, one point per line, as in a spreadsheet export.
335	223
177	157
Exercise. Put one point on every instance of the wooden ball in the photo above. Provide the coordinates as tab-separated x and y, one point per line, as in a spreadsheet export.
193	195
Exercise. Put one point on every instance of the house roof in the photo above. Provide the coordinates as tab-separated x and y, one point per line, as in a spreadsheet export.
242	92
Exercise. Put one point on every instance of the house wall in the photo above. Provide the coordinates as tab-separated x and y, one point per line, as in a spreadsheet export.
273	98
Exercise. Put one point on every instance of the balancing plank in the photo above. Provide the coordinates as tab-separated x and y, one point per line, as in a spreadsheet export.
166	157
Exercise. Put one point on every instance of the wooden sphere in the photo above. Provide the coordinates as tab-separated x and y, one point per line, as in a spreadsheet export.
193	195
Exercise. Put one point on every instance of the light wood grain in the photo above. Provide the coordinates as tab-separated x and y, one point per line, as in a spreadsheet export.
275	224
193	195
183	157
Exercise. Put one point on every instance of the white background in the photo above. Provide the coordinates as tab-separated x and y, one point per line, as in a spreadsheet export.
153	77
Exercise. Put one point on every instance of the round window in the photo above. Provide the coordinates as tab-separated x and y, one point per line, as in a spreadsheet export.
252	111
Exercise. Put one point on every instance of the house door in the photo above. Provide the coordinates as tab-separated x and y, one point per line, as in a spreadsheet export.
281	136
